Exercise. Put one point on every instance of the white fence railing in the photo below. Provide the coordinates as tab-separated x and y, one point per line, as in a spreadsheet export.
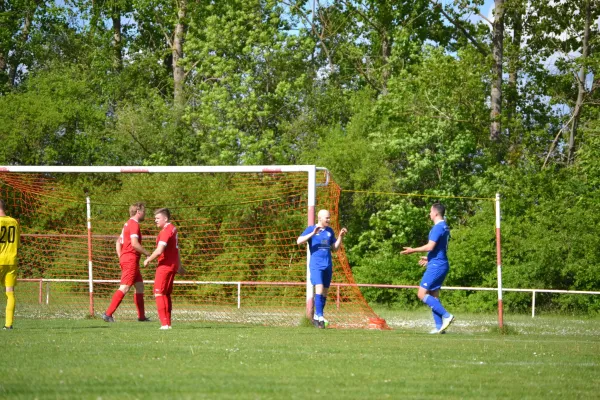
45	297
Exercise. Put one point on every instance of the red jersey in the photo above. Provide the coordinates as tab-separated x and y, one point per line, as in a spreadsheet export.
168	238
129	255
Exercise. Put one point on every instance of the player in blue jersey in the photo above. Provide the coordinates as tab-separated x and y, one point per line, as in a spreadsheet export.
437	267
321	241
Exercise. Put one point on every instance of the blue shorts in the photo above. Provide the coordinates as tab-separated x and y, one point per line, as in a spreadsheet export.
321	276
434	276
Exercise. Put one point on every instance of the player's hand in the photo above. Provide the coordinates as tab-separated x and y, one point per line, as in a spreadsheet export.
343	231
407	250
423	261
181	270
146	262
317	230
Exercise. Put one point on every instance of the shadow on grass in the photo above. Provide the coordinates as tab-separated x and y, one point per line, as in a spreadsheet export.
224	326
56	328
505	330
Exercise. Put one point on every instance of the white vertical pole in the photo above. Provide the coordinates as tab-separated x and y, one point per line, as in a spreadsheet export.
312	189
90	271
239	285
499	264
532	303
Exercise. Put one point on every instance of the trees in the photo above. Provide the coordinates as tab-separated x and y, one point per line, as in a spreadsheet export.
408	96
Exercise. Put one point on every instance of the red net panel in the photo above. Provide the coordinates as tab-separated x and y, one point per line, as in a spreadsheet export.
237	237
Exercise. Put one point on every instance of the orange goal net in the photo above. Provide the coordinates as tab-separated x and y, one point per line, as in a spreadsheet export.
237	238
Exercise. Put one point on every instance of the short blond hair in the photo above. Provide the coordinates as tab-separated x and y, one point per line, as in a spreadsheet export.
134	208
165	212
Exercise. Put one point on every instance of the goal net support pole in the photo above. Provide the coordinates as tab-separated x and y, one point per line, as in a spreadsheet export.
312	187
90	264
499	264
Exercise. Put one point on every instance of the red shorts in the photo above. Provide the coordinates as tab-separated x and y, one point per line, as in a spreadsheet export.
163	281
130	274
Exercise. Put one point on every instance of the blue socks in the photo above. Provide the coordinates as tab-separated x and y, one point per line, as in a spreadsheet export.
437	318
436	307
320	301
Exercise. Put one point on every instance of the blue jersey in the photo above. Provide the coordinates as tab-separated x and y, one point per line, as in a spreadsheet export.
440	233
320	247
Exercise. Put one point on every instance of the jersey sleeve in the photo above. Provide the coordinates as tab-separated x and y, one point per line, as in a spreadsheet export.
163	237
308	230
134	231
18	238
436	233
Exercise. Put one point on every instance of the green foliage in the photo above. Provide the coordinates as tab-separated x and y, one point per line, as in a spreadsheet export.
392	97
54	121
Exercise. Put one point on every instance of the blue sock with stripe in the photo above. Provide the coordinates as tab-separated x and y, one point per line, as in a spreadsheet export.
435	305
319	304
437	318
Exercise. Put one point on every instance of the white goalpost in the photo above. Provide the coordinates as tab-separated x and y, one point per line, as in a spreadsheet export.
239	225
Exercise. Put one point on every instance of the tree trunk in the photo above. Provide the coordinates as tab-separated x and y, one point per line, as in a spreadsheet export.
177	50
386	51
117	39
585	49
513	73
497	48
20	45
3	52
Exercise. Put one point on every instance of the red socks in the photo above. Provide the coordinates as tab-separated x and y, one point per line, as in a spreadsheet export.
138	299
162	305
116	300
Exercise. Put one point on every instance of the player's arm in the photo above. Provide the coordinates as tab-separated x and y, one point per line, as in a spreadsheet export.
18	238
180	269
425	248
303	239
135	243
338	242
118	246
159	250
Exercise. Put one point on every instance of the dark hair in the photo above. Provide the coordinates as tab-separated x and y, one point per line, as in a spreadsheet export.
165	212
439	207
2	205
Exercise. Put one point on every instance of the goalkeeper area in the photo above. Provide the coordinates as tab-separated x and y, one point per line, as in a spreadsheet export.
237	239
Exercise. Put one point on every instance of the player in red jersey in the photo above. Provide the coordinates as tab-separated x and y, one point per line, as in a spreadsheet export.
169	263
129	249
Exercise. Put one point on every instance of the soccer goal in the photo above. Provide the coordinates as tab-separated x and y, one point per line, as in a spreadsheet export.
237	232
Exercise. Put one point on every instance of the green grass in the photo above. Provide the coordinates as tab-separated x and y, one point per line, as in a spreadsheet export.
89	359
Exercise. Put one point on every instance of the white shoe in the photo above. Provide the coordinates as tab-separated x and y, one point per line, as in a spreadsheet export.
164	327
446	322
435	331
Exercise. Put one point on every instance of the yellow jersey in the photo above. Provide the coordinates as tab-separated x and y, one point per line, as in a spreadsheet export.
10	238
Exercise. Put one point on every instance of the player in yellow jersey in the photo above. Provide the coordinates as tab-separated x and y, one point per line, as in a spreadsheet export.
10	238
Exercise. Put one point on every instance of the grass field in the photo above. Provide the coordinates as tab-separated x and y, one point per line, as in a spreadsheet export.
542	358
